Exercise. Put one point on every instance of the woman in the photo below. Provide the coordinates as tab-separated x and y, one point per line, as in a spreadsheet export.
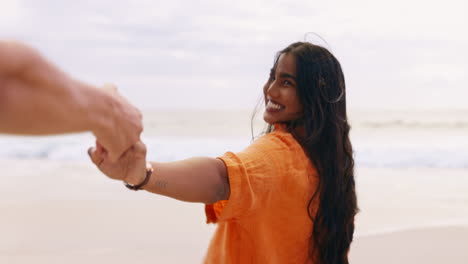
290	196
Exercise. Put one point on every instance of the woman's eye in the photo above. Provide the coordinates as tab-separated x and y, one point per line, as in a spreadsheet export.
286	82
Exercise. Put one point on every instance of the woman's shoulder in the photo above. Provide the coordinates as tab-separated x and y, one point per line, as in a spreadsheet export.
280	138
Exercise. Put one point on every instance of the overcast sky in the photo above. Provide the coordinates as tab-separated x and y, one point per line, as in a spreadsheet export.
217	54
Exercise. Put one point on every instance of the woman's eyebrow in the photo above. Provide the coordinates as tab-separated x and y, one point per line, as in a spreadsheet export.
287	75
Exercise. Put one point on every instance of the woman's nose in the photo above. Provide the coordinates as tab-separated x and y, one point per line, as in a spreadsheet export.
272	89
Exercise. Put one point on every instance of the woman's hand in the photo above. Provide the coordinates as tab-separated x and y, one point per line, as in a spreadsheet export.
130	167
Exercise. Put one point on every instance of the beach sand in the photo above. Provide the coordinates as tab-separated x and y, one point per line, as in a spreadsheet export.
67	212
425	245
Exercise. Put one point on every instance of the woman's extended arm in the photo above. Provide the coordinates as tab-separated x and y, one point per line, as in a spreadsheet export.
200	179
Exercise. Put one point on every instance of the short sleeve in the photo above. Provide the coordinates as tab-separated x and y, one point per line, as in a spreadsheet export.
254	174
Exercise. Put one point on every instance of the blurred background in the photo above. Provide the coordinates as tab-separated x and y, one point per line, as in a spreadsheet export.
196	70
183	54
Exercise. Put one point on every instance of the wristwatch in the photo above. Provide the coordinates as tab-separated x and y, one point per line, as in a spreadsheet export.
149	172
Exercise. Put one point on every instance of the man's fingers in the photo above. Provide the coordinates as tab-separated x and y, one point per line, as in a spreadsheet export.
114	157
140	148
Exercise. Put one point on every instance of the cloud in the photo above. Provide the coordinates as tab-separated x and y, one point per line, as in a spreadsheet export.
11	16
158	50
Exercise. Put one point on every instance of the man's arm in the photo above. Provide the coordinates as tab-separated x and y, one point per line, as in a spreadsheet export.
37	98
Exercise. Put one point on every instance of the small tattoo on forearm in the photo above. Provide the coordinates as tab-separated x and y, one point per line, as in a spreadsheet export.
161	184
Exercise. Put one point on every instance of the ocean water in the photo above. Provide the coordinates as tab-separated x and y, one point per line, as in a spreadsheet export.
386	143
368	152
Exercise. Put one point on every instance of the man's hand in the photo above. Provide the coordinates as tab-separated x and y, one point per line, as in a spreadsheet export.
122	128
130	167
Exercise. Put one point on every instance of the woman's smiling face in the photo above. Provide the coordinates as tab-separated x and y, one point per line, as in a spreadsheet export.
281	100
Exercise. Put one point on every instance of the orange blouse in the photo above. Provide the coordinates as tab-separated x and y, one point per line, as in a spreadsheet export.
265	219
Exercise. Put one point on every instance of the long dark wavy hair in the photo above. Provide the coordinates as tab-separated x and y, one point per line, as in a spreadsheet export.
321	91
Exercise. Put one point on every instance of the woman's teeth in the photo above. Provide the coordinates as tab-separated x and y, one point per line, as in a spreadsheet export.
273	105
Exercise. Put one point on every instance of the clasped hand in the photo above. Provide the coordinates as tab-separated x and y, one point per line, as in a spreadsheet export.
130	167
123	128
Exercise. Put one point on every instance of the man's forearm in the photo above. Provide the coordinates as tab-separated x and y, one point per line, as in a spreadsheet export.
27	111
37	98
